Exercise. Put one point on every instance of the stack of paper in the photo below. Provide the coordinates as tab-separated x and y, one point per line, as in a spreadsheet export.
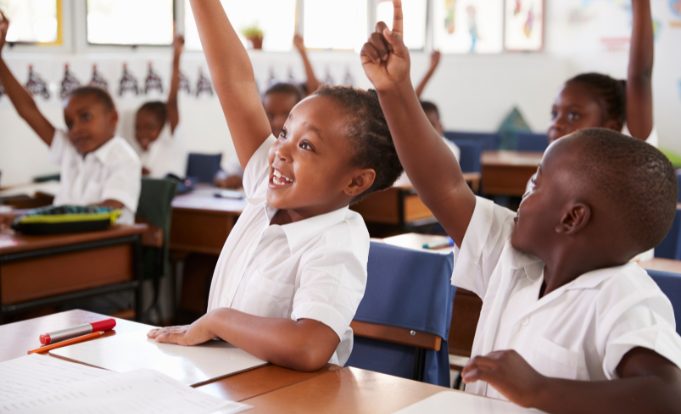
40	384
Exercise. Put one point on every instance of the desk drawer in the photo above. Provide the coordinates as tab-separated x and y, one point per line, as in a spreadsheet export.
44	276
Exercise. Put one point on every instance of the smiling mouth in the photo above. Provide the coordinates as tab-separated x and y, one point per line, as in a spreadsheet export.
277	179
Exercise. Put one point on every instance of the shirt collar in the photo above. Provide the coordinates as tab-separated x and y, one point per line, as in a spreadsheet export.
102	153
593	278
297	233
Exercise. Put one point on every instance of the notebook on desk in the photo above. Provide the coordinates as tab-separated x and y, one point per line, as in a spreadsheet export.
191	365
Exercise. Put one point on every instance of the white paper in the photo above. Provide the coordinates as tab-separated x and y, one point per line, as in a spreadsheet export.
39	384
461	402
190	365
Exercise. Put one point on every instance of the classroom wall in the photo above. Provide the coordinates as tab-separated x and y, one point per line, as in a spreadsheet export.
474	92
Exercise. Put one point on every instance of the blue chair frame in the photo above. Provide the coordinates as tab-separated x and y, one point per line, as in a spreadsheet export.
471	156
402	324
670	246
531	141
670	283
490	141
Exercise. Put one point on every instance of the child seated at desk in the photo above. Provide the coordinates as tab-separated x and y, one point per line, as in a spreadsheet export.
97	167
567	323
156	128
293	269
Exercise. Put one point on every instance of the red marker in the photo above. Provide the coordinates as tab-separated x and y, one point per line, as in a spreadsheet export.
98	326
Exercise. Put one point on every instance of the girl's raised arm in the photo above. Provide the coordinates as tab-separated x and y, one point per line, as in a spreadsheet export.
233	78
640	71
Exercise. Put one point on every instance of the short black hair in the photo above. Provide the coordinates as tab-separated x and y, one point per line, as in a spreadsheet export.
367	127
637	180
158	108
286	88
99	94
429	106
610	93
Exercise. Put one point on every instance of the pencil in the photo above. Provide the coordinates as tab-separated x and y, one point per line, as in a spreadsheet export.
67	342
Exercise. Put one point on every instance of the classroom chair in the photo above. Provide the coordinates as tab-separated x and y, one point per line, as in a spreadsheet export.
678	184
530	141
154	209
670	247
471	153
491	141
670	283
203	167
402	323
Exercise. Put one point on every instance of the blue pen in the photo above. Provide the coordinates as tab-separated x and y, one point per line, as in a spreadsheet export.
448	242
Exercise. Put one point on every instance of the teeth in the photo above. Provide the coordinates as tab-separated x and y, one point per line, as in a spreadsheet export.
279	179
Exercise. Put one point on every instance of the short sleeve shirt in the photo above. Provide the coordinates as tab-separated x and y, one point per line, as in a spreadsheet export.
310	269
579	331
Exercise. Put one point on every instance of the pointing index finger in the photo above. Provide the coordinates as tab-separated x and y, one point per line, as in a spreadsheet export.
397	17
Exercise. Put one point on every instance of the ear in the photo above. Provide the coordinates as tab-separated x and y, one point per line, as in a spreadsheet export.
360	182
576	218
114	117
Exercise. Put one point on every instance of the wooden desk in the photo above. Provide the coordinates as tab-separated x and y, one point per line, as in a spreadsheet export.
201	221
666	265
21	336
348	390
42	270
507	172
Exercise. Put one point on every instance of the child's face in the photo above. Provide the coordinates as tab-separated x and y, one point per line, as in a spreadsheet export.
311	162
147	128
278	105
574	108
89	122
543	204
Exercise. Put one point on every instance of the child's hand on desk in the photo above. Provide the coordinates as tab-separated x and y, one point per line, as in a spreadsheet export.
384	56
508	373
193	334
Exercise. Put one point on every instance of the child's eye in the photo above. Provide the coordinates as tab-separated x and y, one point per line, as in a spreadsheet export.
85	117
573	116
304	144
282	135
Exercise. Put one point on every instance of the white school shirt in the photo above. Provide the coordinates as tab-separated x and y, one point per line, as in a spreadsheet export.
166	154
404	180
310	269
112	171
581	330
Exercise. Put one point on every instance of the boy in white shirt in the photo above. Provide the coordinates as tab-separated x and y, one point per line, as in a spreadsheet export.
157	128
97	167
567	324
293	269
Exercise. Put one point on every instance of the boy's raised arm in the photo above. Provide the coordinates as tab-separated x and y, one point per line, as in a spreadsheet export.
21	99
430	165
640	71
171	104
233	78
434	62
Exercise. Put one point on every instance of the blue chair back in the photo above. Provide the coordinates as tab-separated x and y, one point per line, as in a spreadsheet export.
409	290
491	141
670	247
203	167
471	153
678	186
670	283
530	141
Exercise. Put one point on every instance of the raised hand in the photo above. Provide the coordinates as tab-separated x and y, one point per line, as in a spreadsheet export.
508	373
299	42
434	59
384	56
4	27
178	45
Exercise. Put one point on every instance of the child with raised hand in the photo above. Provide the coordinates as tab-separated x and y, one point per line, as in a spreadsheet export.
156	125
311	82
598	100
293	269
97	167
568	324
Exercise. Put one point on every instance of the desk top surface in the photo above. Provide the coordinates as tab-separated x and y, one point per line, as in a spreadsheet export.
11	242
511	158
203	199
